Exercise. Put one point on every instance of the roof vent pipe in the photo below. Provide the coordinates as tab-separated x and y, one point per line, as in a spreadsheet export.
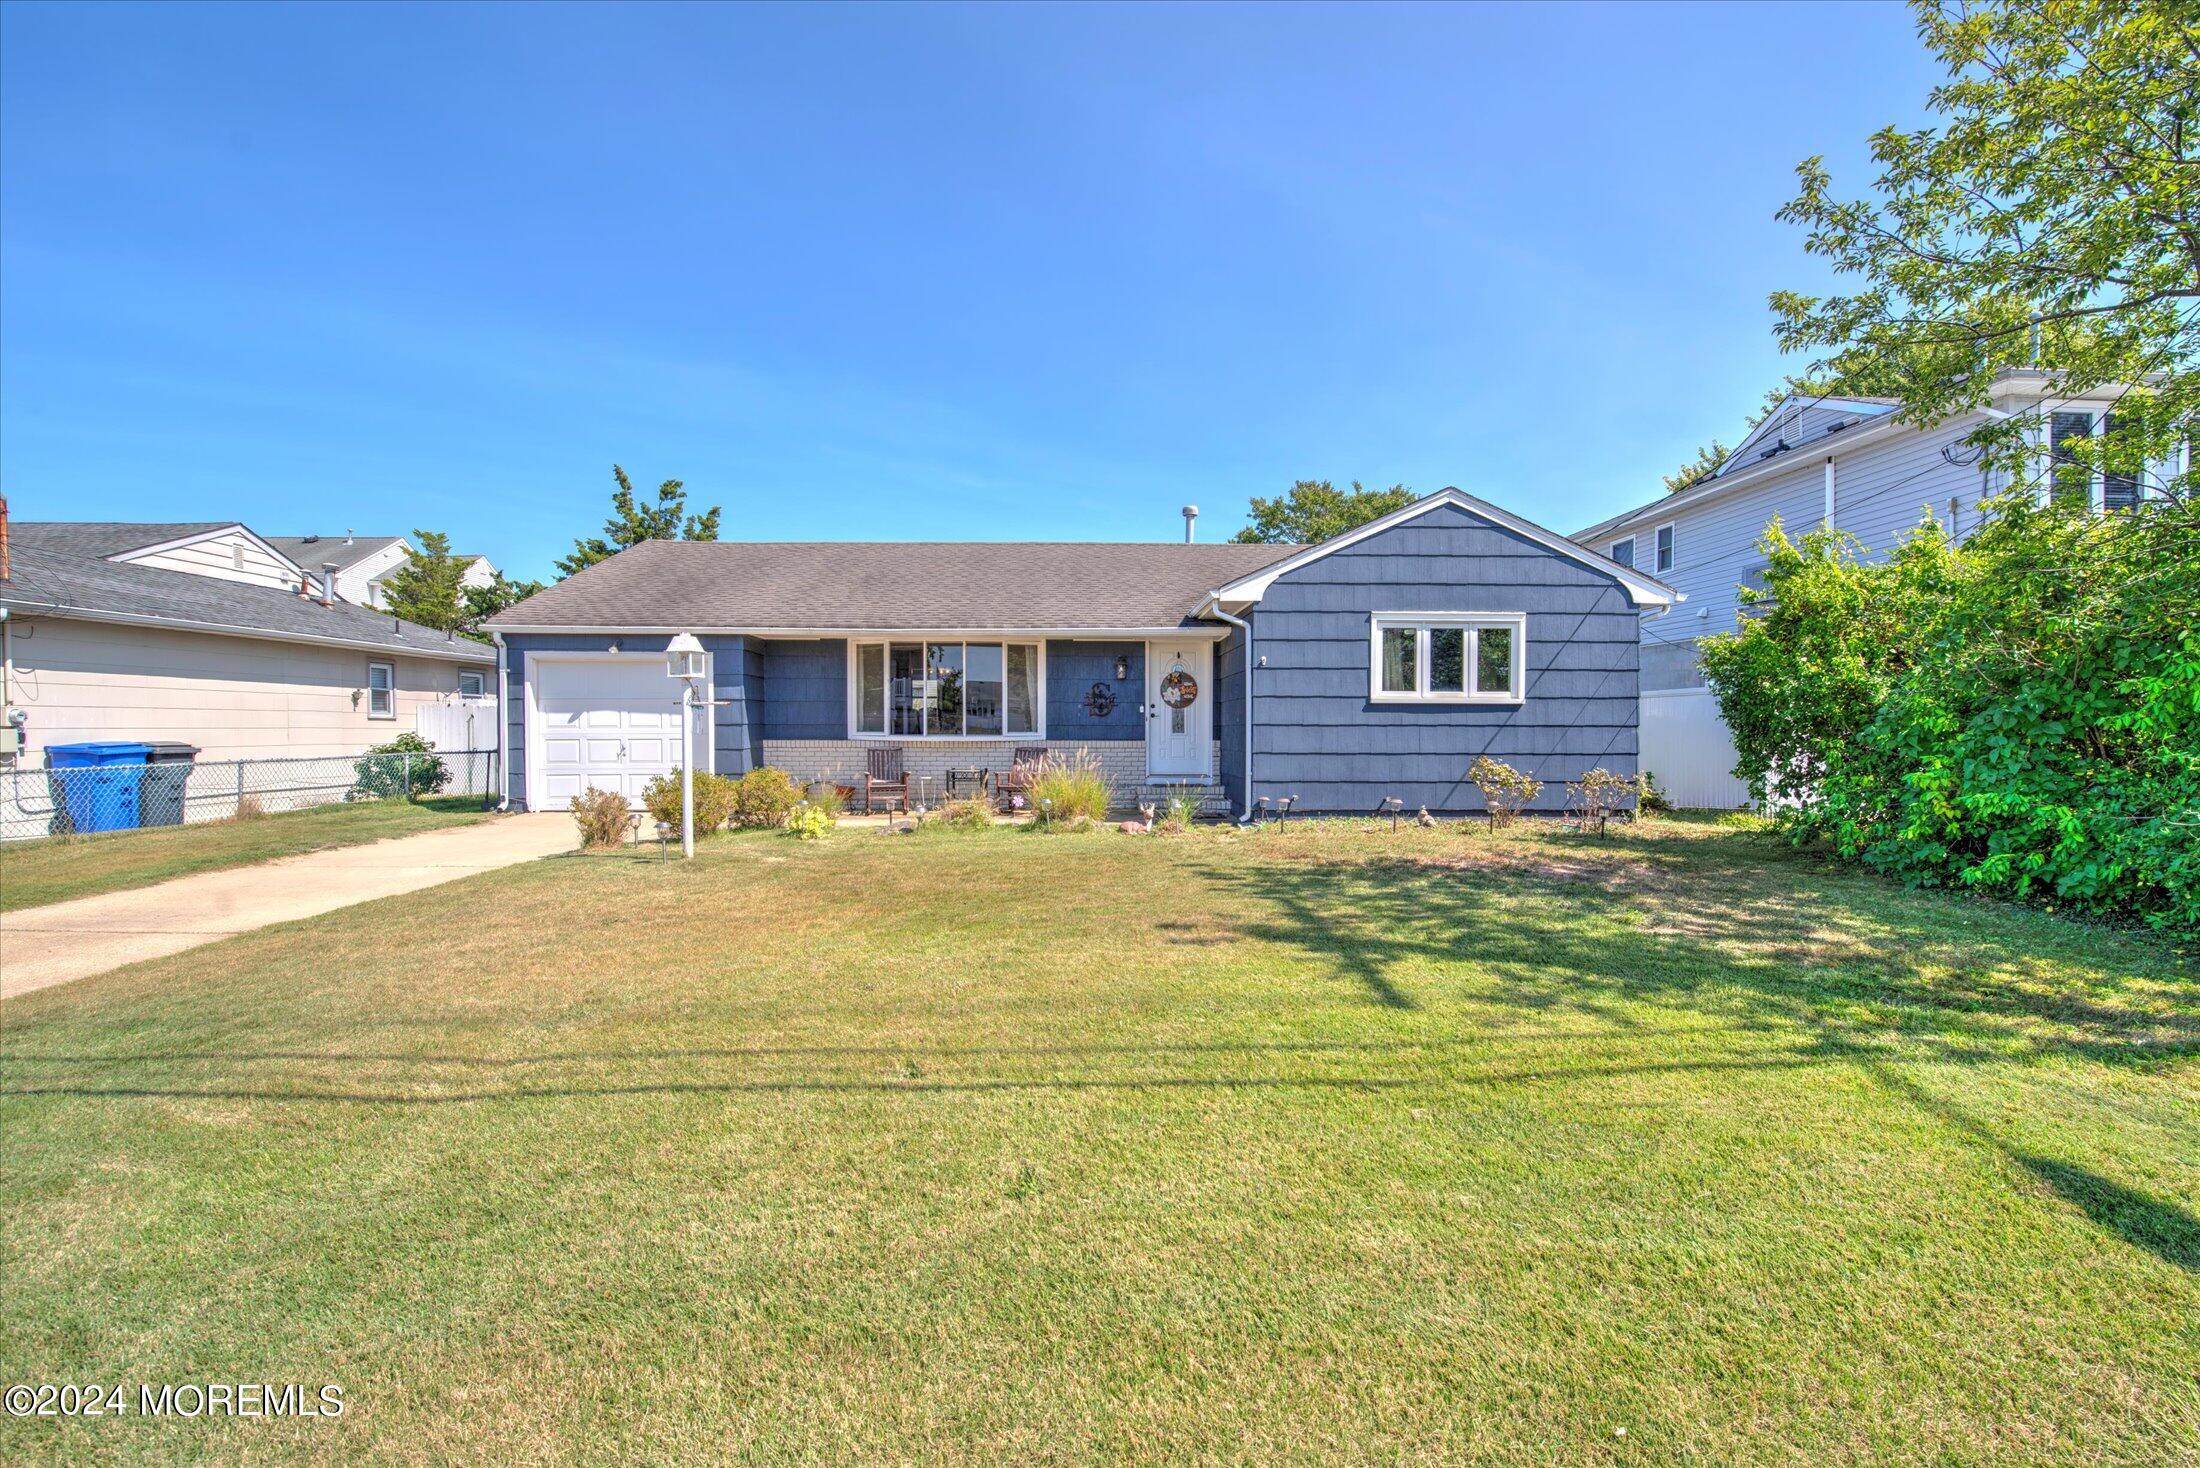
1191	513
328	583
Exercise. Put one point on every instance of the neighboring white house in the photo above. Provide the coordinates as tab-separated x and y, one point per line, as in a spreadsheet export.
364	563
1849	462
206	634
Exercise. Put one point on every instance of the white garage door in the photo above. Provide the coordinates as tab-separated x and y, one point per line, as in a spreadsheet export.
605	724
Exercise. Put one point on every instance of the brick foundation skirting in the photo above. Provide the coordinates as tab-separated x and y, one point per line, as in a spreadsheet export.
1122	761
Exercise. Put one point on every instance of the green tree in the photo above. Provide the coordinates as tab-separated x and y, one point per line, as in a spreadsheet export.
425	588
633	522
484	602
1315	510
2050	218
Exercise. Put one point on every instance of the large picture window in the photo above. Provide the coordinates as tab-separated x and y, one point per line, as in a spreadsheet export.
945	690
1448	657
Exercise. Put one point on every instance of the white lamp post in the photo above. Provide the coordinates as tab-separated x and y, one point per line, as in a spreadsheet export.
684	661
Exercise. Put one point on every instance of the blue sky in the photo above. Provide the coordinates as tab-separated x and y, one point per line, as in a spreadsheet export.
896	272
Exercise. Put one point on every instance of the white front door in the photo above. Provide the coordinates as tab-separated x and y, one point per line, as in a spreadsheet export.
1180	709
604	723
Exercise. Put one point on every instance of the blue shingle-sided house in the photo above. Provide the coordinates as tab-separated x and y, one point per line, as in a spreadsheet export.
1378	664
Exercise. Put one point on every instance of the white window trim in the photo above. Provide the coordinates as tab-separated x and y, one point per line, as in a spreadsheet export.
481	682
372	664
1629	542
1659	562
1474	623
1038	692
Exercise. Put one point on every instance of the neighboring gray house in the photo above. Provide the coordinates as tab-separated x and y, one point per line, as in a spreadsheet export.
1382	662
1849	462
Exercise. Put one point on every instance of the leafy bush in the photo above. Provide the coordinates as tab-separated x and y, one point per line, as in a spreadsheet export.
2019	714
406	766
603	818
763	798
823	792
1649	799
1505	790
812	821
713	800
1071	791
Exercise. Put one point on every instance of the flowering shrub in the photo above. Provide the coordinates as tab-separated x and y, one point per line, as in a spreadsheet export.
1505	790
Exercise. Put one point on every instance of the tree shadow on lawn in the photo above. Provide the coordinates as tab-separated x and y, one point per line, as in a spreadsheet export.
1610	929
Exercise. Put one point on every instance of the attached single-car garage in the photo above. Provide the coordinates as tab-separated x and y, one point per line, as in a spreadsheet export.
604	721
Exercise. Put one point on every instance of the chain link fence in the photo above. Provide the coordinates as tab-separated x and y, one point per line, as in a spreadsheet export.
102	798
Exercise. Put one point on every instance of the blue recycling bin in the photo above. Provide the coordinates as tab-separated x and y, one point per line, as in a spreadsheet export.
100	789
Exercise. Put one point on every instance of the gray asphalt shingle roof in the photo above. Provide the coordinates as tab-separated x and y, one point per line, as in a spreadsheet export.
893	585
59	568
315	551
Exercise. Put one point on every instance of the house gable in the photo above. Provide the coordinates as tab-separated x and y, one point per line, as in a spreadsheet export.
1642	590
228	553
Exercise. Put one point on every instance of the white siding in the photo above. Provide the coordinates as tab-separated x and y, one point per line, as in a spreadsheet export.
234	697
220	556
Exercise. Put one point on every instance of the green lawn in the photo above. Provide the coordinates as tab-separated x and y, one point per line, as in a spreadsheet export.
33	873
999	1146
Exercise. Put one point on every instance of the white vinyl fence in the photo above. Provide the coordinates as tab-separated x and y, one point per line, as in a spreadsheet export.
469	723
1686	746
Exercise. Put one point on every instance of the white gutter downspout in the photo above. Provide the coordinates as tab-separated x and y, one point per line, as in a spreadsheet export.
1213	608
1829	492
504	728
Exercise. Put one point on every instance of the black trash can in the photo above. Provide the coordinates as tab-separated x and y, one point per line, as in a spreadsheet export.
167	773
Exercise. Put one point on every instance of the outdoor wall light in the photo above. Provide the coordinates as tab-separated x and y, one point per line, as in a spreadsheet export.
1122	667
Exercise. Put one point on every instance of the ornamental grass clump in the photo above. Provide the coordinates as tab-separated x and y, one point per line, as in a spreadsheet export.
1071	791
1505	790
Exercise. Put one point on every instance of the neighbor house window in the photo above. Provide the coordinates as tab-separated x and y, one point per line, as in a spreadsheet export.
1665	549
1447	657
2120	490
1623	551
471	685
381	690
945	690
2072	480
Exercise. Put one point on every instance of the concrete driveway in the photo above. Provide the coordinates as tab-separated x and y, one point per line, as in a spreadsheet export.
42	946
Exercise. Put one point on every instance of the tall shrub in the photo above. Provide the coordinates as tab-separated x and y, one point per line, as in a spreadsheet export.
2019	715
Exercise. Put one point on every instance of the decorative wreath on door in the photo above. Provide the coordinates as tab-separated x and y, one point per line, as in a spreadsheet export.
1179	689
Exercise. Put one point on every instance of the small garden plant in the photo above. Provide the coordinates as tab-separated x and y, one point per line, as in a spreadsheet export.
971	813
603	818
1599	795
1505	790
812	821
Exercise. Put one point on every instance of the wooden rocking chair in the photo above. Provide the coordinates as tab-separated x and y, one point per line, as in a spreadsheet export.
886	780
